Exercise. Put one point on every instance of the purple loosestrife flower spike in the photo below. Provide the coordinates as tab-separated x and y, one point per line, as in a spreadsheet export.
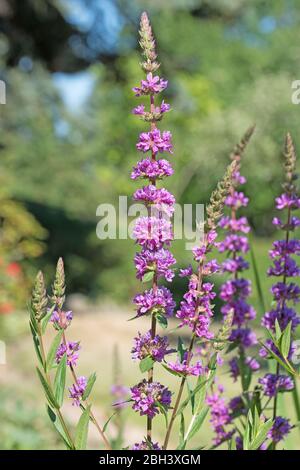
285	293
154	232
284	266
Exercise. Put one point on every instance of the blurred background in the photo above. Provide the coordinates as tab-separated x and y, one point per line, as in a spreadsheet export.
68	144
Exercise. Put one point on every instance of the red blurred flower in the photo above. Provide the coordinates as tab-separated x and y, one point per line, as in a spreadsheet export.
13	269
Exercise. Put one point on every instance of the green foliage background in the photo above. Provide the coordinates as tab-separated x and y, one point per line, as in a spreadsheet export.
229	63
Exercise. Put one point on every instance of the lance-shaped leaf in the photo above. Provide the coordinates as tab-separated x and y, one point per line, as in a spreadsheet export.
261	435
48	392
285	342
196	423
52	351
89	386
60	380
59	429
82	430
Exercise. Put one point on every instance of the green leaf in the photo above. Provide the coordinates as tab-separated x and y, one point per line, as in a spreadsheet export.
257	281
180	349
60	380
277	331
82	429
36	343
280	361
161	320
261	435
46	319
59	429
52	351
187	400
285	342
33	320
48	392
181	432
89	386
146	364
163	411
198	421
108	421
148	276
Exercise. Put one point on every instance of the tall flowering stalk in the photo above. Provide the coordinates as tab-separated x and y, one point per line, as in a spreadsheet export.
235	291
62	355
153	233
196	309
286	293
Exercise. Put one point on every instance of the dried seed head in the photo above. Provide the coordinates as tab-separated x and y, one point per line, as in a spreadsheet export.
215	207
59	287
289	165
241	146
224	332
147	43
39	299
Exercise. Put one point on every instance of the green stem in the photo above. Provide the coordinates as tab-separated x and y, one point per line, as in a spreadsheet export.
48	379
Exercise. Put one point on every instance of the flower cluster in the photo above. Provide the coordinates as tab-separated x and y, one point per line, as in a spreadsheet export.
272	384
185	368
145	345
235	291
150	397
153	234
220	417
285	293
77	390
70	348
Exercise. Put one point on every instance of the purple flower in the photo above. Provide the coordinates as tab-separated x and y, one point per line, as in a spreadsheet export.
235	265
152	169
145	345
286	292
284	315
195	310
152	233
280	429
240	288
220	417
61	320
234	243
185	368
234	225
242	311
272	384
159	198
77	390
155	141
284	201
243	336
146	445
155	261
148	397
236	200
152	85
186	272
160	301
71	349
